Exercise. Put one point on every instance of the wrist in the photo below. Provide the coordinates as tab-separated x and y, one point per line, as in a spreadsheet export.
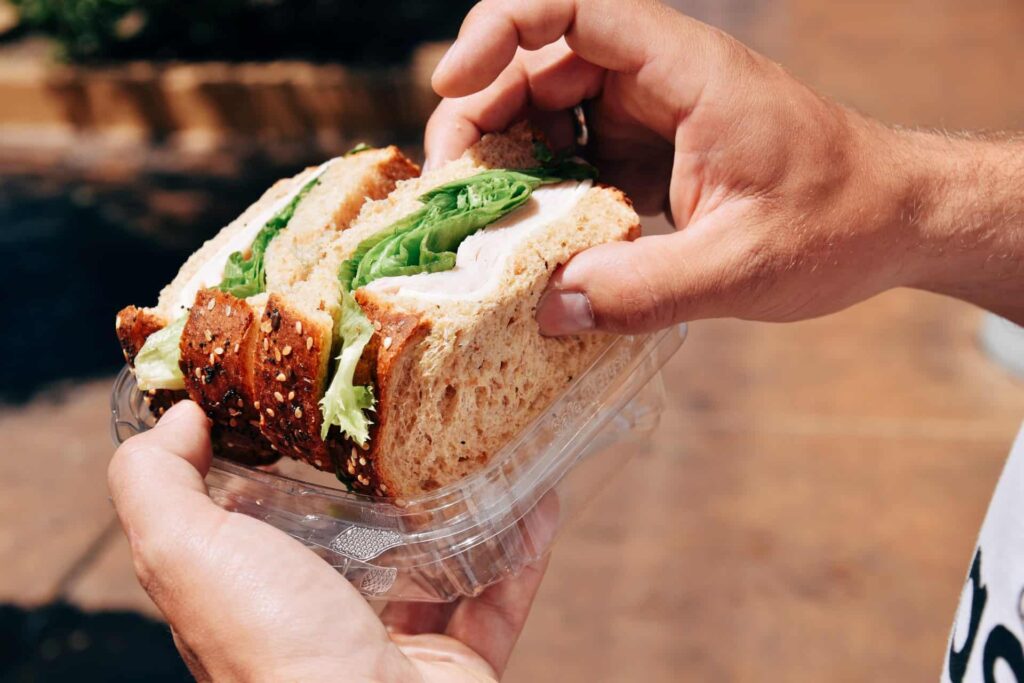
966	201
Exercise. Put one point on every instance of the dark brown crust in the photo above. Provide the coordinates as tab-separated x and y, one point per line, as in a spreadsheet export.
397	335
133	326
286	370
215	345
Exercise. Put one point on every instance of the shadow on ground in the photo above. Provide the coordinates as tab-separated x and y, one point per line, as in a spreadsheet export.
57	643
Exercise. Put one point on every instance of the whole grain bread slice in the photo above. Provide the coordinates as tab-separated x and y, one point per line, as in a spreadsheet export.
447	402
221	334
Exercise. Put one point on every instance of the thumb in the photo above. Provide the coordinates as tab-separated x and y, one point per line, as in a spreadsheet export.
630	287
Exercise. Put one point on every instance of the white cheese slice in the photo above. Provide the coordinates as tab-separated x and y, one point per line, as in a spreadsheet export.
480	260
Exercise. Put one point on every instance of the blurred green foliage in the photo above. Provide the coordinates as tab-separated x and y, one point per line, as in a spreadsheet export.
378	31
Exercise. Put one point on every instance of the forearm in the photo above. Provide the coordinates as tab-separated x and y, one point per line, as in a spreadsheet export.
969	218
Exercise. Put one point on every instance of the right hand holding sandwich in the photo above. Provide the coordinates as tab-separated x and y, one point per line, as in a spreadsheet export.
787	205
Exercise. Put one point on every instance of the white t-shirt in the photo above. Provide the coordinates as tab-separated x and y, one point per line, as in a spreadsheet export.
987	637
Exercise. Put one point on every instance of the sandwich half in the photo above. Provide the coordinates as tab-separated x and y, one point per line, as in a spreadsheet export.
437	360
200	339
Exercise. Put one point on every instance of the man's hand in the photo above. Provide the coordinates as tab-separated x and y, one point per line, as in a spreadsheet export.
787	205
247	602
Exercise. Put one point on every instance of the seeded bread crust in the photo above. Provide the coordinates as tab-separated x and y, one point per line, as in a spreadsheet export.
290	365
132	326
216	359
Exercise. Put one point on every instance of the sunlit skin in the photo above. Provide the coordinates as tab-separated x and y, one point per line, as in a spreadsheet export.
787	206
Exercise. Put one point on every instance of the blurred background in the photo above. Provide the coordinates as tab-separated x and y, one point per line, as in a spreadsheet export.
812	500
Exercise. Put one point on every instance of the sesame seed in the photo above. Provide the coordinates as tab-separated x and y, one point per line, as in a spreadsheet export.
117	323
266	343
235	349
277	354
376	325
384	488
273	447
212	358
227	311
353	454
281	377
298	327
291	395
286	351
210	305
256	405
362	461
298	412
219	350
279	397
387	342
363	480
309	343
270	412
209	335
265	326
351	469
199	372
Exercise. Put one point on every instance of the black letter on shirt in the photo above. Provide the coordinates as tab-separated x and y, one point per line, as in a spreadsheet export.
979	594
1002	644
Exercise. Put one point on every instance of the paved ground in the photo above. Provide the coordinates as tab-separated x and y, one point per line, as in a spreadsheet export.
808	509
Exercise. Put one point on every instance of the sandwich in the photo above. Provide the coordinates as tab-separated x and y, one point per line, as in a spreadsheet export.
405	354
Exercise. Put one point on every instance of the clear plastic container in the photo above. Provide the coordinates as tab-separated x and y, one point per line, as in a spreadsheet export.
463	537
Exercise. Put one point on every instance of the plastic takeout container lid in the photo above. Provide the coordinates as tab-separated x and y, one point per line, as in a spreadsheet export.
460	538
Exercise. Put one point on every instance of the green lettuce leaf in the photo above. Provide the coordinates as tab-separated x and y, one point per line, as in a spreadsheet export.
244	277
426	241
156	365
361	147
345	404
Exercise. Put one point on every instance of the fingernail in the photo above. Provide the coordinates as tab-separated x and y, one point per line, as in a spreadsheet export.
562	312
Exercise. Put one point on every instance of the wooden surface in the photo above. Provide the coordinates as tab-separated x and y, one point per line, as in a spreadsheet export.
807	511
809	505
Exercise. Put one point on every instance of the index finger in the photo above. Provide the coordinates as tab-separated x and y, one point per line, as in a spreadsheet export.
494	29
